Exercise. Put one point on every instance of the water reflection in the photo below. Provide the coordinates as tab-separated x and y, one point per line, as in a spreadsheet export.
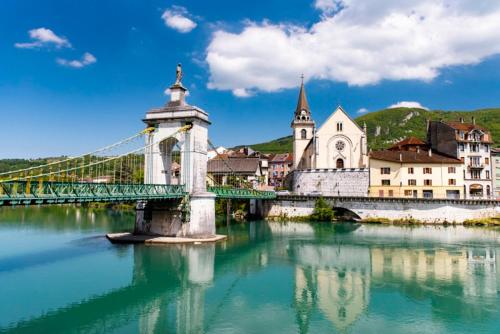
342	278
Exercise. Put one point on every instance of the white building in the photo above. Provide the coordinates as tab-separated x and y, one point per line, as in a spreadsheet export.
339	143
331	159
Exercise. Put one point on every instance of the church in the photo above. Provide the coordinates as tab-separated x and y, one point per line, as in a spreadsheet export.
332	159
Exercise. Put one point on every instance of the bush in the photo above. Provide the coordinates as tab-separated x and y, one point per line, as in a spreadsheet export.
322	211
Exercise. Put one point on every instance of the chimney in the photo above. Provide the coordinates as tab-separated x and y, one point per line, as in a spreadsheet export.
418	149
473	120
461	119
430	152
400	156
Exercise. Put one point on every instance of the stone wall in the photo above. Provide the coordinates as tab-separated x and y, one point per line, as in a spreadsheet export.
331	182
428	211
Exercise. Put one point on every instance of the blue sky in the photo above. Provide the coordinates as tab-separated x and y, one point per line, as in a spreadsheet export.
77	75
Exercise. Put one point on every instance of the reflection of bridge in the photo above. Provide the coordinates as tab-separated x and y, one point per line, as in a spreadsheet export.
164	166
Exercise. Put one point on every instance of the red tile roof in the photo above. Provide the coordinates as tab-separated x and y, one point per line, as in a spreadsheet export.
410	141
412	157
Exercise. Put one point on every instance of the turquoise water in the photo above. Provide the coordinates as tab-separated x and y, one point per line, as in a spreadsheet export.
59	274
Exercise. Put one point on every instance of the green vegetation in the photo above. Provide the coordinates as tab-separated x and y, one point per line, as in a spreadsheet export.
495	221
388	126
322	211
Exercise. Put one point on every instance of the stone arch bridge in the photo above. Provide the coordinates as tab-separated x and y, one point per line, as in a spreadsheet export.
423	210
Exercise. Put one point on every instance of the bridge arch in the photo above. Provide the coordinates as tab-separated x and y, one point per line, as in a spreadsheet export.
347	214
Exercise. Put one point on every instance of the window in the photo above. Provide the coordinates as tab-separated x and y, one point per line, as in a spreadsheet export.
391	193
385	170
475	174
452	182
410	170
487	161
452	170
339	163
474	147
427	170
461	146
386	182
303	134
486	148
488	190
412	182
427	193
427	182
380	193
487	174
339	126
408	192
475	161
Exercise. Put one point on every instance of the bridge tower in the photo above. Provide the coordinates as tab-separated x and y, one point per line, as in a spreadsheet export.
177	125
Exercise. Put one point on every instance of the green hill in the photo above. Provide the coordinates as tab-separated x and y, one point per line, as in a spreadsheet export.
388	126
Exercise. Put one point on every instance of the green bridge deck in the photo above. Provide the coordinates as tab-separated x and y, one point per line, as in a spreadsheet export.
28	193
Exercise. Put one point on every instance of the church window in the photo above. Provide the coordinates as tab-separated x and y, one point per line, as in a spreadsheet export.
339	126
340	163
303	134
340	145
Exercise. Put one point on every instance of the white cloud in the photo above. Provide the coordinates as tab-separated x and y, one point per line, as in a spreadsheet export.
407	104
242	92
362	111
87	59
328	6
177	19
43	37
358	42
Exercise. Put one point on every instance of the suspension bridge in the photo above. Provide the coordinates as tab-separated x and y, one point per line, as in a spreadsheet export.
114	173
163	168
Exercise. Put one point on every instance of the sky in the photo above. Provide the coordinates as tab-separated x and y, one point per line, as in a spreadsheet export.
79	75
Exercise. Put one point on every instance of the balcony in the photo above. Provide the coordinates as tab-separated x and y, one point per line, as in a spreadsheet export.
476	166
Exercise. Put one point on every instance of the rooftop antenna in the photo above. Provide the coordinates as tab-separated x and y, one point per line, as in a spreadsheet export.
302	78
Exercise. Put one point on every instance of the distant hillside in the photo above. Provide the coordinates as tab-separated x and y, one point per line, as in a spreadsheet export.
388	126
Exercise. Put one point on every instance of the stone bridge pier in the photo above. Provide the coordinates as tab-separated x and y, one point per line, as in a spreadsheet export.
193	216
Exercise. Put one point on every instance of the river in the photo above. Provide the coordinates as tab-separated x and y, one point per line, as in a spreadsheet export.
58	274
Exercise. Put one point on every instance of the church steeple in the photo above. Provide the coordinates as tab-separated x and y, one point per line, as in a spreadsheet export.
303	131
302	111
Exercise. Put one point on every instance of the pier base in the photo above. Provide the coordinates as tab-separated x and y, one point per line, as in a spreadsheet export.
175	218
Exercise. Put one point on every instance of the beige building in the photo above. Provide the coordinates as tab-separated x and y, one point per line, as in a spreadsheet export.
338	143
411	169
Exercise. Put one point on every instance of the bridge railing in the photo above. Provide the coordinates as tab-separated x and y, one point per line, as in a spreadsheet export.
26	192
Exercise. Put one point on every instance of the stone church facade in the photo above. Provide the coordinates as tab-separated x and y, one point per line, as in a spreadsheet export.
331	160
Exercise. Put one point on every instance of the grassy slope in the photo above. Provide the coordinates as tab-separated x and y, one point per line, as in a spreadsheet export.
390	125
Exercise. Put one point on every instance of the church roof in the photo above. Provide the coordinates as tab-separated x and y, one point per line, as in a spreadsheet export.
302	102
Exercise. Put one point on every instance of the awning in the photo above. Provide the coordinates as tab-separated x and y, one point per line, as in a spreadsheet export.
476	187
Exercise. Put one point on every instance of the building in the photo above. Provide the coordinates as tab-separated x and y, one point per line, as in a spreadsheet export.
234	171
495	161
471	144
279	167
332	159
339	143
216	151
411	169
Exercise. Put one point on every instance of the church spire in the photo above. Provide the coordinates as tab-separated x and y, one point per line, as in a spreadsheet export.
302	102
